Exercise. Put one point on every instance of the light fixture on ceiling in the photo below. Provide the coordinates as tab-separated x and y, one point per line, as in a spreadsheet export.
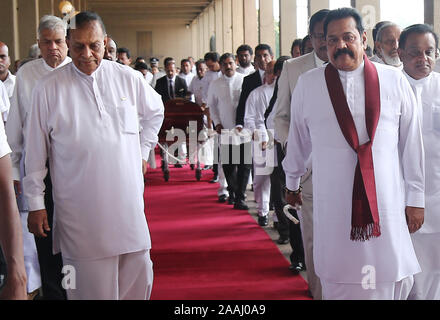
66	8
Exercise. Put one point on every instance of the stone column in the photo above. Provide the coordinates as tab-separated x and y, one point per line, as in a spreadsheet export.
316	5
227	26
267	26
370	12
288	27
194	40
219	25
237	24
45	7
27	25
436	22
8	27
250	23
211	28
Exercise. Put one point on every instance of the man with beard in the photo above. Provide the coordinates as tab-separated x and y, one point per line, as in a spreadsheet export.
418	51
387	42
292	70
244	57
361	121
52	43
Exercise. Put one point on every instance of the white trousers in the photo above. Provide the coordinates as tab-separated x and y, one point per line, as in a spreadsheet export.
306	218
427	283
124	277
31	263
262	193
354	291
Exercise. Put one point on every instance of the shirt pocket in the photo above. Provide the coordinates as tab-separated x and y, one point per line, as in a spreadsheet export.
128	118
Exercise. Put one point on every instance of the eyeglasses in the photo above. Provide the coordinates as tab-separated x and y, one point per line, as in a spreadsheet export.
347	38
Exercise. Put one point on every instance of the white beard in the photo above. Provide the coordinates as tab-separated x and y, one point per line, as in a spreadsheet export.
392	61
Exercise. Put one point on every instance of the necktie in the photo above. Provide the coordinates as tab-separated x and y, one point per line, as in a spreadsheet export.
171	90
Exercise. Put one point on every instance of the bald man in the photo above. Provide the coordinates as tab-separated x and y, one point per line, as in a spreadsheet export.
110	50
5	75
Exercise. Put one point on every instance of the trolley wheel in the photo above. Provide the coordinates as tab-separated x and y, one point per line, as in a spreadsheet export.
198	174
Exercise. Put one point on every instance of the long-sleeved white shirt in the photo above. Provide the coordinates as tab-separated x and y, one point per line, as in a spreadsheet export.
95	130
188	79
28	76
4	102
10	84
4	147
208	78
199	88
256	105
427	92
398	158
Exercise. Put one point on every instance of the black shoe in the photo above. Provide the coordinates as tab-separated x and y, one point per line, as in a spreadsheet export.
231	200
297	267
207	167
283	240
214	180
222	198
192	166
263	221
275	225
178	165
240	205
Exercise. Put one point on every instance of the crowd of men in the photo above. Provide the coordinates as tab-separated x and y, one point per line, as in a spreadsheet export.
345	136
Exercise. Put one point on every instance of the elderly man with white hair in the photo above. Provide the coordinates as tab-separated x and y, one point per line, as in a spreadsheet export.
387	42
52	43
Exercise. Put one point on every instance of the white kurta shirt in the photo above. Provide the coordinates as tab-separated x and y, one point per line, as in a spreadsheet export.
188	79
95	130
4	102
28	76
199	88
256	105
427	93
398	167
208	78
10	84
223	96
4	147
246	71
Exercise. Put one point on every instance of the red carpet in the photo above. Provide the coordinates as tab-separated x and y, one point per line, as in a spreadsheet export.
204	250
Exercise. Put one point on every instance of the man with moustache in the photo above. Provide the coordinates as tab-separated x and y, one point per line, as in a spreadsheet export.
418	51
96	121
361	121
387	42
223	95
292	70
244	57
53	47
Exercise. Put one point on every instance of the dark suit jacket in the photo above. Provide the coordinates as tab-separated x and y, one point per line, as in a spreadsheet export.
180	88
250	82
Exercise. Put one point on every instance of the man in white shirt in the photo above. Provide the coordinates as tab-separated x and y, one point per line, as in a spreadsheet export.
4	103
418	51
6	76
187	75
10	228
387	42
292	70
223	98
98	142
256	105
213	73
244	57
51	40
361	121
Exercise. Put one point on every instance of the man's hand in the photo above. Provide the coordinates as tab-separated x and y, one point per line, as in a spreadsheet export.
294	199
38	223
238	129
263	145
144	167
219	128
17	188
414	218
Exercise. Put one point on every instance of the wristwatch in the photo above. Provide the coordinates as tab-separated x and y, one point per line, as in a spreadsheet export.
296	192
